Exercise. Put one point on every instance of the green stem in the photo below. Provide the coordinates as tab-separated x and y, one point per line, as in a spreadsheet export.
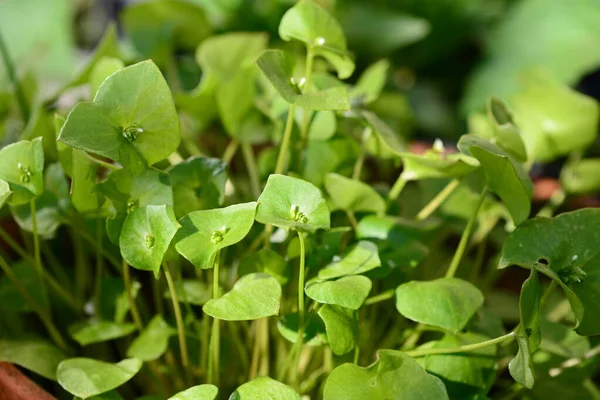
310	57
12	75
397	188
39	310
300	336
437	200
99	266
252	169
352	220
285	142
36	250
185	362
461	349
103	163
135	313
358	165
81	272
356	355
230	151
388	294
464	240
214	344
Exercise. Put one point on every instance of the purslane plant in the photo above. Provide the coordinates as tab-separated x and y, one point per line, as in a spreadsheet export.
280	284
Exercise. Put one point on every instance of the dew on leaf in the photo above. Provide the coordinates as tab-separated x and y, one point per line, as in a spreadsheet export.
149	241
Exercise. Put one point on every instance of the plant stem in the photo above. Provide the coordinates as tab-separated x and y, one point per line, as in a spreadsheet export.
358	166
36	250
310	57
300	337
214	344
230	151
461	349
252	169
397	188
464	240
99	265
103	163
185	362
352	220
438	200
39	310
135	313
285	142
388	294
356	354
12	75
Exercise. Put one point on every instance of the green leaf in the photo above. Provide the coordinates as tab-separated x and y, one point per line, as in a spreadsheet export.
448	303
353	195
159	28
5	192
371	83
198	184
322	126
132	119
153	341
105	67
196	293
146	235
203	233
252	297
35	355
64	152
266	261
235	99
292	204
435	165
199	392
314	330
529	310
565	249
22	166
86	377
97	331
464	374
521	367
310	23
393	376
581	177
264	388
503	130
358	259
278	67
348	291
333	155
341	325
83	179
554	119
504	175
384	136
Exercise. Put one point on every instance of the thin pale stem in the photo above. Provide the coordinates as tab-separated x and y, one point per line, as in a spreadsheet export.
461	349
252	168
352	220
12	75
300	336
388	294
185	362
438	200
397	188
214	347
358	165
135	313
230	151
280	166
36	250
99	265
464	240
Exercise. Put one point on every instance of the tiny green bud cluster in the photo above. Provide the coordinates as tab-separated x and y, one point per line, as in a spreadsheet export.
131	133
217	234
298	215
132	205
25	173
149	241
572	274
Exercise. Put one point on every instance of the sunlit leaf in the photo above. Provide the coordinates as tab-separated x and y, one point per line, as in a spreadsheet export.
341	325
353	195
35	355
265	388
200	392
22	166
358	259
348	291
153	341
97	331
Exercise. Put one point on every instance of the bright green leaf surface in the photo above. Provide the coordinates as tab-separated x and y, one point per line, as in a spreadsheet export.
83	180
371	82
385	136
322	126
97	331
153	341
352	195
358	259
252	297
105	67
264	388
521	367
581	177
448	303
348	291
200	392
266	261
433	165
5	192
35	355
529	310
504	131
341	325
22	166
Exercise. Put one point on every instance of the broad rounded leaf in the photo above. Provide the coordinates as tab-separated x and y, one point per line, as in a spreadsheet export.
200	392
348	291
341	325
504	175
269	262
581	177
97	331
448	303
565	249
292	204
264	388
36	355
393	376
152	342
252	297
203	233
146	235
132	119
22	166
352	195
358	259
86	377
278	67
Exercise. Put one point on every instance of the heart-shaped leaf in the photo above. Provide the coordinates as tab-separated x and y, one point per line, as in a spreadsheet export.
448	303
146	235
264	388
348	291
564	249
132	119
22	166
393	376
358	259
341	325
266	261
352	195
86	377
33	354
278	67
292	204
310	23
504	175
581	177
97	331
203	233
152	342
198	184
252	297
200	392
